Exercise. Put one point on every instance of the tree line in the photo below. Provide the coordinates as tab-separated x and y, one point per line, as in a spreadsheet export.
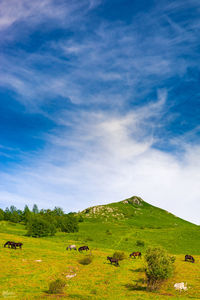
42	222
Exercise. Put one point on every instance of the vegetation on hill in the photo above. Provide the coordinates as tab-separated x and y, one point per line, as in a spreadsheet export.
43	222
27	273
122	227
134	211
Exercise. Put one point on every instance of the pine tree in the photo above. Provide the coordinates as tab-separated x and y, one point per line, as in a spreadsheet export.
35	209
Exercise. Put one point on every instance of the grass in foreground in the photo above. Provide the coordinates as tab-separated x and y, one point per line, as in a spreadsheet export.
26	273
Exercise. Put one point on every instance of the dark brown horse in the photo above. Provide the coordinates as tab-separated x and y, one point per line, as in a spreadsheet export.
13	245
189	258
113	260
134	254
10	244
83	248
19	245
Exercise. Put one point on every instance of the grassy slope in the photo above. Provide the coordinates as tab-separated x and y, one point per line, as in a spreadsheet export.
27	279
138	222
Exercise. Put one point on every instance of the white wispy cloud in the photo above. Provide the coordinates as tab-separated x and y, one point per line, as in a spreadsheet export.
110	61
37	12
103	159
101	156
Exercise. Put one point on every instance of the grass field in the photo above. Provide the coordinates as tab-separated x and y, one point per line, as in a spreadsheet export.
22	276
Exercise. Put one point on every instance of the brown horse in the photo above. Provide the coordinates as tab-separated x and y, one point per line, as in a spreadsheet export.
19	245
83	248
12	244
189	258
113	260
134	254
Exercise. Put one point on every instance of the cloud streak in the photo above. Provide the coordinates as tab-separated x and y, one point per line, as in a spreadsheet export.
103	160
117	84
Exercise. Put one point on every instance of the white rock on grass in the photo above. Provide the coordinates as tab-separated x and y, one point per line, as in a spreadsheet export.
38	260
70	276
180	286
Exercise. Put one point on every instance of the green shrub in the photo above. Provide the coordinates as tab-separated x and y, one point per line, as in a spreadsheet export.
80	219
140	243
120	255
68	223
56	286
173	258
159	267
86	260
39	226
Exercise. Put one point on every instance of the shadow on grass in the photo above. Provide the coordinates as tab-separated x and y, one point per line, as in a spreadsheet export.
137	270
54	295
108	263
76	296
137	286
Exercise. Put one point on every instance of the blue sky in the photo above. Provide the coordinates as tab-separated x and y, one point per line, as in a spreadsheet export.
99	101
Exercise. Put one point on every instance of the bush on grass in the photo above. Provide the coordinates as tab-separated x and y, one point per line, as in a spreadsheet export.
159	267
56	286
140	243
86	260
120	255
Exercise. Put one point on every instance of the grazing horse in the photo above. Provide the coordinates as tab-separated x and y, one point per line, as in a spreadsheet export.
7	244
113	260
190	258
12	244
19	245
134	254
83	248
70	247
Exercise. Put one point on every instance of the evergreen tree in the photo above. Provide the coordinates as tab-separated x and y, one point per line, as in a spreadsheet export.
13	209
15	217
26	214
58	211
7	214
35	209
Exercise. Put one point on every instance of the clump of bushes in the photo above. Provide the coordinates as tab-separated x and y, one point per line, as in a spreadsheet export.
68	223
140	243
159	267
120	255
86	260
56	286
38	226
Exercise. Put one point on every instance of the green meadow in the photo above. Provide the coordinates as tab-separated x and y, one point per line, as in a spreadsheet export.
26	273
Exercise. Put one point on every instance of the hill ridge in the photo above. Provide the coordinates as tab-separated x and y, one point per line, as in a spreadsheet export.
135	211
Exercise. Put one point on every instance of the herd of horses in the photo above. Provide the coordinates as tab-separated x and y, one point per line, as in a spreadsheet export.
112	260
115	261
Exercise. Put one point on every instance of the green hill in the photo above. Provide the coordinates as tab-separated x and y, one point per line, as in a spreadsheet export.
120	225
128	225
135	211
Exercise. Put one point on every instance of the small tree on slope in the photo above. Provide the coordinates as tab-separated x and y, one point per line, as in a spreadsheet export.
159	267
